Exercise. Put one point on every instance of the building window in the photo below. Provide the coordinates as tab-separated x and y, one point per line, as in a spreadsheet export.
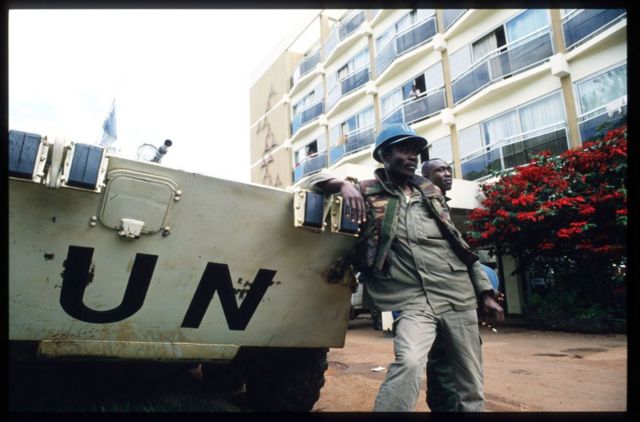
416	99
441	148
306	101
513	138
469	140
520	26
602	101
526	23
460	60
311	149
402	24
598	90
488	43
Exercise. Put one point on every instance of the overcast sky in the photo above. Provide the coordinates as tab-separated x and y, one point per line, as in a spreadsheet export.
182	75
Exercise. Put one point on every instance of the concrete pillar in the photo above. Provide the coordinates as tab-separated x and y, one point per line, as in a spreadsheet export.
566	81
448	91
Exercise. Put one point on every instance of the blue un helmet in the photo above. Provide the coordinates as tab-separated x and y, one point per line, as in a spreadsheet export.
394	134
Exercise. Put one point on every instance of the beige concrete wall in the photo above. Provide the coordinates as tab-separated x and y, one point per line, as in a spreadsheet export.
274	170
272	85
273	129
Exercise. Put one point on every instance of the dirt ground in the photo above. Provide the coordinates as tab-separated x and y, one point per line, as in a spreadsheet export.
524	370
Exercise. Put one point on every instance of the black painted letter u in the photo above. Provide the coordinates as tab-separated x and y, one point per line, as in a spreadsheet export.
76	277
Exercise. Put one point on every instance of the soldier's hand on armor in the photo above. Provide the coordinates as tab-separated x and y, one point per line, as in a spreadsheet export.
353	202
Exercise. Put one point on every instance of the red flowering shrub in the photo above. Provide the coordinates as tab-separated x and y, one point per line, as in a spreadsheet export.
567	211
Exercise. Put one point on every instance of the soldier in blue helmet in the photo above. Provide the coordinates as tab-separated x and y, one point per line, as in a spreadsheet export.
416	262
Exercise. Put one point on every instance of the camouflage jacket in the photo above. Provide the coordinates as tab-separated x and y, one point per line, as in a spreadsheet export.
382	215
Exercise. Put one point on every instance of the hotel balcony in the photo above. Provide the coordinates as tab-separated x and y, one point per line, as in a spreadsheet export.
305	67
310	165
414	109
583	24
514	151
341	31
505	61
346	85
603	118
355	141
407	40
305	116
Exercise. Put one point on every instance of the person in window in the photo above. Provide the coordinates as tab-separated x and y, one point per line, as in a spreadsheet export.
415	261
419	106
415	92
312	150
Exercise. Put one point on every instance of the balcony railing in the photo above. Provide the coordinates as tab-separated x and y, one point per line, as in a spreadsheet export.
305	66
355	141
597	121
342	30
414	109
583	24
349	83
514	151
404	42
450	16
505	61
310	165
306	115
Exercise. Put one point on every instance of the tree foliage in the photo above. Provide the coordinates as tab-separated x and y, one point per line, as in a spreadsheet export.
567	211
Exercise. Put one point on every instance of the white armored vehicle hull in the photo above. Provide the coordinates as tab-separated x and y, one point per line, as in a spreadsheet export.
111	258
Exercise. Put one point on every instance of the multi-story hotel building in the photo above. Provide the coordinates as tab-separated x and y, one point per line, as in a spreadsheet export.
495	87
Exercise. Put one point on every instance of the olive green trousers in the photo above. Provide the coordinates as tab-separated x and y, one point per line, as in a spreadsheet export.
415	335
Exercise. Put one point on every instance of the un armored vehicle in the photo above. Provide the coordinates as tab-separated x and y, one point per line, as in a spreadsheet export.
119	260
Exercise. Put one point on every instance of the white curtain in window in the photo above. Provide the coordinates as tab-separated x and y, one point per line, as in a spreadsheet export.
460	60
403	23
441	148
434	78
544	112
360	60
469	140
391	101
599	90
334	135
484	45
526	23
501	127
366	117
383	40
